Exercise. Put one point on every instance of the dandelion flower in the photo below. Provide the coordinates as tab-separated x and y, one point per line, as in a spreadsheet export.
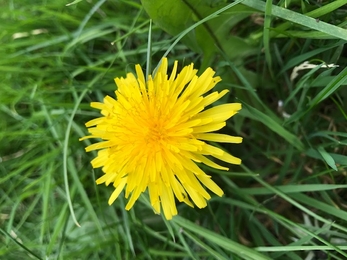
154	137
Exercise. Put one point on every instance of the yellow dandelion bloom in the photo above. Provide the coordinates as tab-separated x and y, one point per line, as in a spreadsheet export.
154	137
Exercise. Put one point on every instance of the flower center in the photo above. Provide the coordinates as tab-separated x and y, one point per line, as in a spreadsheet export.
156	135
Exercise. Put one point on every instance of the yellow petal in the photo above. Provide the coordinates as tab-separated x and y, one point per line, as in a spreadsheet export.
154	197
222	138
228	158
220	113
211	150
134	196
191	166
209	99
168	203
196	197
140	76
94	122
97	146
210	163
211	185
97	105
102	179
117	191
208	128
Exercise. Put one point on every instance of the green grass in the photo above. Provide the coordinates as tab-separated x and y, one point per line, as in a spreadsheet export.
286	201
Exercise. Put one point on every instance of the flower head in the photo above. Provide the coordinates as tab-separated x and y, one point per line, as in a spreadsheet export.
154	137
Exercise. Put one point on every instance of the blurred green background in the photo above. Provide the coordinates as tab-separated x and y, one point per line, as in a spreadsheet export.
286	201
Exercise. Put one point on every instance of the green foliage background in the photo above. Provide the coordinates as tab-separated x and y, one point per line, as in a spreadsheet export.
286	201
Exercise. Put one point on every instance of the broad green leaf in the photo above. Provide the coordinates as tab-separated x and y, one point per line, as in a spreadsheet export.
176	16
327	158
338	158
